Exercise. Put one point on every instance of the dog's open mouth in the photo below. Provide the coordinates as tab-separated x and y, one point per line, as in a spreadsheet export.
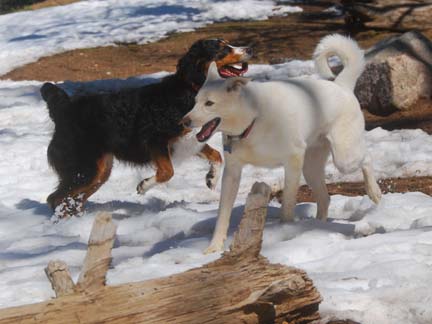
233	70
208	129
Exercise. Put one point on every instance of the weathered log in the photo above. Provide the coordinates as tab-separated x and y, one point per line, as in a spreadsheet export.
58	274
240	287
249	235
98	256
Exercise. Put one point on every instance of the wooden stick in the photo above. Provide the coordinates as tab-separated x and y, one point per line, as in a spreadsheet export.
58	274
249	235
98	256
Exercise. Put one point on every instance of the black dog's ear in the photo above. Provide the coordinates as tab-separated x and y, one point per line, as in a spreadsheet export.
191	67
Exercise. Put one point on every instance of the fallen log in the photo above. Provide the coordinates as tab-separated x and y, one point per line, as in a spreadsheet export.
240	287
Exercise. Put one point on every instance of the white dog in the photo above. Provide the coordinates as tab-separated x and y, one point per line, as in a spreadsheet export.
295	124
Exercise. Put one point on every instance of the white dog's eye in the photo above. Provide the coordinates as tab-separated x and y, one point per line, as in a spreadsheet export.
209	103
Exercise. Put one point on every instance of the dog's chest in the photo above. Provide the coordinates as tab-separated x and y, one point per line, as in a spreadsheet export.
250	152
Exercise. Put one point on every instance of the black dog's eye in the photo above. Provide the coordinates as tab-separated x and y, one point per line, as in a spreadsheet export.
209	103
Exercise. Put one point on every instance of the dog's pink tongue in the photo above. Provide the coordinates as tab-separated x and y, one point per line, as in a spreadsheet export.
205	132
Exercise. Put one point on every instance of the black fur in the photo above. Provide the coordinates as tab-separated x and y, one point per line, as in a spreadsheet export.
131	124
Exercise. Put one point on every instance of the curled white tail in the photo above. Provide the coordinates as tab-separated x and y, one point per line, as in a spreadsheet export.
349	53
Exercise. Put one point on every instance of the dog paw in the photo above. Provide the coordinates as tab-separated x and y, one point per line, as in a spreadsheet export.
212	176
145	185
68	207
214	247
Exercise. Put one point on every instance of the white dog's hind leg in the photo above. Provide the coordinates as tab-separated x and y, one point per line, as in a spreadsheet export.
349	154
230	185
371	185
314	173
293	168
347	143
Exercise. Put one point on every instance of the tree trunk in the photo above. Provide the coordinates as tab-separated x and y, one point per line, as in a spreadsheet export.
240	287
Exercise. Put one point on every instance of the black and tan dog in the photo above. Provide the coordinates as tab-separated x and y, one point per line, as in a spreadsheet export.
138	126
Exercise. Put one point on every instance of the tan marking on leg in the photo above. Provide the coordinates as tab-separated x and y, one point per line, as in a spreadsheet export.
73	201
104	166
210	154
164	167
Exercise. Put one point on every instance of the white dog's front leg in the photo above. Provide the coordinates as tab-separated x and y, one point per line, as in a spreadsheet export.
293	169
230	185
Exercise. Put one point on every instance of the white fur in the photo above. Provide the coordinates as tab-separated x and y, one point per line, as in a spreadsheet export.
185	147
298	123
348	52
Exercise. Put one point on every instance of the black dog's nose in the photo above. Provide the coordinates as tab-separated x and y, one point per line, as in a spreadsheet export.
249	51
186	121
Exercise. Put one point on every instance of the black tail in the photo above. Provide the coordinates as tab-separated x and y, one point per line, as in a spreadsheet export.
56	99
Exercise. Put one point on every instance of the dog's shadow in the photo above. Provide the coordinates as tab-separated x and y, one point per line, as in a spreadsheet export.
202	229
36	207
205	228
133	209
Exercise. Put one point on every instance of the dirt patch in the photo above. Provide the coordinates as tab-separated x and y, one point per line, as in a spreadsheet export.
390	185
420	116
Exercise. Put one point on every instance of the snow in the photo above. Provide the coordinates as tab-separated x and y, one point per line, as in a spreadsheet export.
369	262
372	264
27	36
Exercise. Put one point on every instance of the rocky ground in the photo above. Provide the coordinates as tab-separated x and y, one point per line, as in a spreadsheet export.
274	40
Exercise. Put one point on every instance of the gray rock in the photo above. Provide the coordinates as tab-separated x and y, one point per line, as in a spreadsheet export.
398	73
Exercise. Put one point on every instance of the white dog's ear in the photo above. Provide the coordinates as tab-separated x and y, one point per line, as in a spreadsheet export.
212	72
234	84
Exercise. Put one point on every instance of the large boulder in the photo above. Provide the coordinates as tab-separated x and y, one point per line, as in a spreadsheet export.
398	73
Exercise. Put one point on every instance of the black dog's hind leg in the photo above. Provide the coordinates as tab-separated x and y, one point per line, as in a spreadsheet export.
78	185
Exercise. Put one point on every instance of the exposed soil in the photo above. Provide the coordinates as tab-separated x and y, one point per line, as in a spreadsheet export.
390	185
420	116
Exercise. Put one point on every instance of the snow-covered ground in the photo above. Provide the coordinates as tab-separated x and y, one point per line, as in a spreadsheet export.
372	264
369	262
